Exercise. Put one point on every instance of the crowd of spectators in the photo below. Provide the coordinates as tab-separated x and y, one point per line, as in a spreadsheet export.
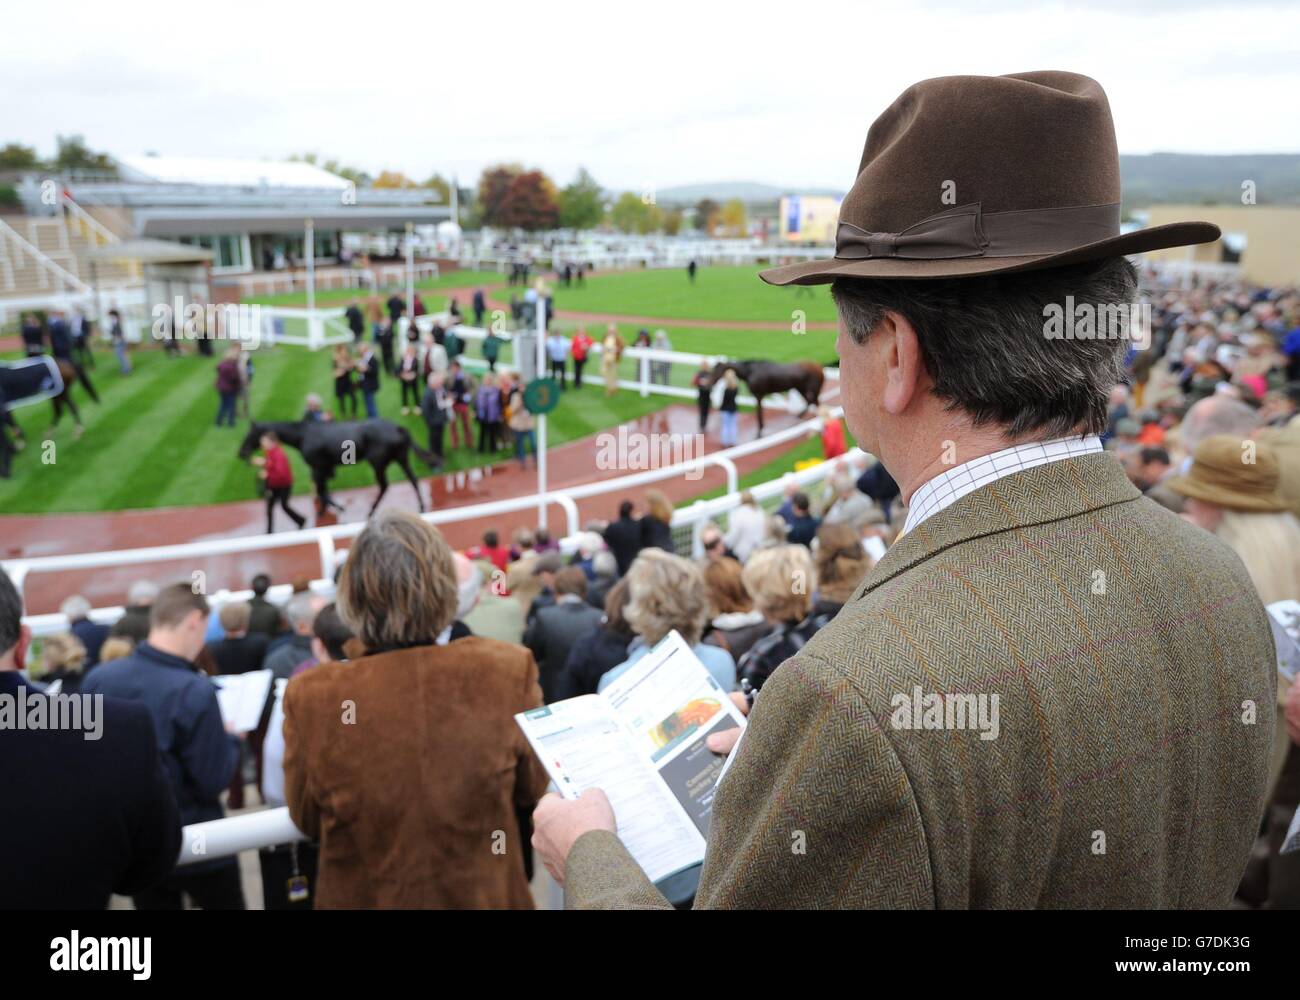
435	650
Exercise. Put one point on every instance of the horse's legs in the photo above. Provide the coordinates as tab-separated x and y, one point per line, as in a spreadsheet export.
758	407
381	477
405	463
76	414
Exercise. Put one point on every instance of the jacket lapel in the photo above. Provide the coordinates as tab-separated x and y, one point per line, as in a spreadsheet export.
1044	493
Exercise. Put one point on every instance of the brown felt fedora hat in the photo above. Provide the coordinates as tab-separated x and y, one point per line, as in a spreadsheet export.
1227	471
970	175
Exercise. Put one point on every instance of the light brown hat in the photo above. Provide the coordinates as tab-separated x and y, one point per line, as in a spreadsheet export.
1221	474
970	175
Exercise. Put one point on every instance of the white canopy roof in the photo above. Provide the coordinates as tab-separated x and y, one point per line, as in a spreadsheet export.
227	172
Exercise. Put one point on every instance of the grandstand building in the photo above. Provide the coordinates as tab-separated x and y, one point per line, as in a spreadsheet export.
251	216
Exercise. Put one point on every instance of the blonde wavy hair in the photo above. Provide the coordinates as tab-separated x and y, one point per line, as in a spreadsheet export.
781	580
668	592
62	652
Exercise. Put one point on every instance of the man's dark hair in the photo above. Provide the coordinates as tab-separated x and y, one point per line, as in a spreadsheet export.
261	584
11	613
490	539
331	631
1149	455
799	501
985	345
173	605
625	508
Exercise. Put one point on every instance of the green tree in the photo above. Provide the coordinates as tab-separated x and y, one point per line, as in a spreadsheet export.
16	156
672	223
581	203
442	186
74	154
630	214
706	215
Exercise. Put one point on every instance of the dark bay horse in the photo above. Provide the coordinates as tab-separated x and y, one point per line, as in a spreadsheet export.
70	373
766	377
34	382
327	444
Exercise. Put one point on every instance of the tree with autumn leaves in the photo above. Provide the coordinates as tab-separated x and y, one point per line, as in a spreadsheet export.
511	197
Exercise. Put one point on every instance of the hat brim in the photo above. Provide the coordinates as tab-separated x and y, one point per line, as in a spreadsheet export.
826	270
1188	487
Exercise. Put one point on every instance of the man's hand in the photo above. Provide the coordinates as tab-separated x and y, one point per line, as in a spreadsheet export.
723	742
558	823
1292	711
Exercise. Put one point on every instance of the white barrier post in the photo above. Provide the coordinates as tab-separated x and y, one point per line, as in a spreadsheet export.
309	239
539	445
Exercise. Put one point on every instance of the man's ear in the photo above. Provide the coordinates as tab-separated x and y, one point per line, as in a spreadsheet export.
901	359
20	650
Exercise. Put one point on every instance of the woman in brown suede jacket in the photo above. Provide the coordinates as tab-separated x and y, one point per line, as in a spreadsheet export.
407	763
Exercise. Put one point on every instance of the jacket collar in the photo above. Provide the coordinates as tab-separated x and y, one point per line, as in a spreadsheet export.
1045	493
154	655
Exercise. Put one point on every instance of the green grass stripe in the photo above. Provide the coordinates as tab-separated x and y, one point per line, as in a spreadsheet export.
115	445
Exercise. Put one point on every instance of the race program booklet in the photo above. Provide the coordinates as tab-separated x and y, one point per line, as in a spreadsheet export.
642	741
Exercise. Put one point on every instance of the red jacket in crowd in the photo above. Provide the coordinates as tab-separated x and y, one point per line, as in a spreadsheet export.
278	472
833	445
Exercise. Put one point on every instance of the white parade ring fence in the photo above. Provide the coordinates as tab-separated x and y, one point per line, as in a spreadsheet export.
693	516
326	327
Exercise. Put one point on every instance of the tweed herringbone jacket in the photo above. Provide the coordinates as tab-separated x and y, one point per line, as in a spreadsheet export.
1135	675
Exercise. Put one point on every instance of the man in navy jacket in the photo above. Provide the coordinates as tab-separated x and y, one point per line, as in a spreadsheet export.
198	753
85	811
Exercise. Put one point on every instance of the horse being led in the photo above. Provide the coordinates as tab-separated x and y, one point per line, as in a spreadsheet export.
327	444
766	377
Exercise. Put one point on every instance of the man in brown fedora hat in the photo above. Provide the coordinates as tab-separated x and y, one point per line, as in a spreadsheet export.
1120	654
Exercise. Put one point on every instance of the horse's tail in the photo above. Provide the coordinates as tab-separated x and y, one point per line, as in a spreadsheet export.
427	457
84	379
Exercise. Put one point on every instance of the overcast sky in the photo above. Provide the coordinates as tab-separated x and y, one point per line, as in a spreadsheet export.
645	95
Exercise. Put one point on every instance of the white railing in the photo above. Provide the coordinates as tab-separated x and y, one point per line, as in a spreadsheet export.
102	233
363	279
47	266
324	538
220	838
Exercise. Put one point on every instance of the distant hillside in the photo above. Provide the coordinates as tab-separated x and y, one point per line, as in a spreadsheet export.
1188	177
1148	179
750	192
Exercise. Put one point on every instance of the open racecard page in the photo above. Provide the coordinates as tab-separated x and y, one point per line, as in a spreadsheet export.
242	698
641	741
